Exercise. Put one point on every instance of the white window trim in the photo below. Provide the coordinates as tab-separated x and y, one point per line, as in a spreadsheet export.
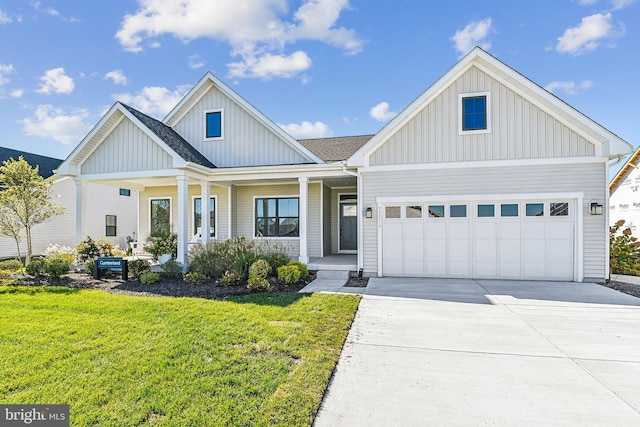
279	196
218	138
170	211
461	96
215	213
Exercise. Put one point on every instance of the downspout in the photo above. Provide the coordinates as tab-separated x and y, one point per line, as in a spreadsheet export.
618	160
360	225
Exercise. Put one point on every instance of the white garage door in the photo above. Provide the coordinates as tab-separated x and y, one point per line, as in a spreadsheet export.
494	240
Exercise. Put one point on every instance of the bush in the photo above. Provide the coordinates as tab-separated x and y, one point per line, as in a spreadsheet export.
289	274
56	249
12	265
90	249
162	242
149	278
56	266
138	267
171	270
260	269
258	285
304	271
66	257
275	260
229	278
623	251
5	274
36	267
242	263
195	278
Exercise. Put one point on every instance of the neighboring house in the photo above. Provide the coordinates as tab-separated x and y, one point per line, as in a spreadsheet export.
484	175
624	194
112	212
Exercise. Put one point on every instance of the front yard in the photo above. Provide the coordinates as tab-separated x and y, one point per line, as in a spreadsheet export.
119	360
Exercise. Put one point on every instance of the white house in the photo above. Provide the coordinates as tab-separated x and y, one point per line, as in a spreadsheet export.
624	199
484	175
112	212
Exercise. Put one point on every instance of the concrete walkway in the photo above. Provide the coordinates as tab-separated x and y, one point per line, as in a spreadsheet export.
425	352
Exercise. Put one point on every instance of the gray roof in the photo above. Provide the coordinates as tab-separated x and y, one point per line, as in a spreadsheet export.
335	149
46	165
171	138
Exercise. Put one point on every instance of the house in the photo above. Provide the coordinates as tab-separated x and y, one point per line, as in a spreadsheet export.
484	175
624	194
112	212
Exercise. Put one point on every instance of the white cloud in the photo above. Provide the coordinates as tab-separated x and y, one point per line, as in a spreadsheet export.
381	112
5	70
5	18
588	35
153	100
195	62
56	81
258	31
621	4
307	130
587	2
474	34
269	66
53	12
569	87
50	122
117	76
16	93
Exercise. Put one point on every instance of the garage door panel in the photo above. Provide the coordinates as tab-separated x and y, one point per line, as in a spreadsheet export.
509	230
458	230
509	251
561	230
459	251
412	230
436	229
436	268
535	230
485	230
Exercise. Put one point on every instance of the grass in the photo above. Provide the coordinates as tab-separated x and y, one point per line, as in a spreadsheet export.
126	361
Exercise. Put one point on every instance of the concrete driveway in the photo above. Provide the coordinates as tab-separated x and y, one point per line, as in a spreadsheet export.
427	352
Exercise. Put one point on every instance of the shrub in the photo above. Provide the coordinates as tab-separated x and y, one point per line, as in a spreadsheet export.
90	249
138	267
242	263
171	270
56	266
56	249
89	266
304	271
260	269
5	274
258	285
195	278
275	260
289	274
12	265
623	250
36	267
229	278
66	257
162	242
149	278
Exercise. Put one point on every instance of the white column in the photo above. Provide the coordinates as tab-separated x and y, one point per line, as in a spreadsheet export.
182	226
303	213
81	201
205	221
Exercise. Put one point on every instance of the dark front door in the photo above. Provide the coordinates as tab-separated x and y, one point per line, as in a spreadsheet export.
348	226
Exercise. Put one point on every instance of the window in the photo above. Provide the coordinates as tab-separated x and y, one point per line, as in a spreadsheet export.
458	211
392	212
559	209
125	192
474	112
277	217
486	211
436	211
111	225
534	209
510	209
197	215
160	215
413	212
214	124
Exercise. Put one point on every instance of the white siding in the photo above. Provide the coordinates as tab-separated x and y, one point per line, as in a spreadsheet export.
519	130
246	141
127	149
588	178
327	234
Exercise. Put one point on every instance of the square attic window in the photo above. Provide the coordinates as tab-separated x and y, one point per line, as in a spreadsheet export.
213	124
474	113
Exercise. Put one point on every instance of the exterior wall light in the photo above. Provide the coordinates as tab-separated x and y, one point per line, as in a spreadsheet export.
368	212
595	208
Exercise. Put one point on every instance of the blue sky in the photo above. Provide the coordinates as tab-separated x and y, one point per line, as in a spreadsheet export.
316	67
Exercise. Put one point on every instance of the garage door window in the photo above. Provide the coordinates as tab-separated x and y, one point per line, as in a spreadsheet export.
458	211
510	209
485	211
436	211
413	212
559	209
392	212
535	209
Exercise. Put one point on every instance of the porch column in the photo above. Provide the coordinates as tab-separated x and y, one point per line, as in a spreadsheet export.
205	221
182	226
81	201
302	215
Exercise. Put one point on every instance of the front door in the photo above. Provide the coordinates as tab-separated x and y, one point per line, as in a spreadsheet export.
348	226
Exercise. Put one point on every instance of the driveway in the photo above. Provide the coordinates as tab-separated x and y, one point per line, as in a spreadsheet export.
425	352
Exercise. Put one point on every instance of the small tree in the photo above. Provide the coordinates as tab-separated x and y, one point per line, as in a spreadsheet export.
11	226
624	255
27	195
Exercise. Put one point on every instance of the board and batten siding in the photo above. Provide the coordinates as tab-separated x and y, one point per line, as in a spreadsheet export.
246	141
519	130
589	178
222	203
127	149
245	214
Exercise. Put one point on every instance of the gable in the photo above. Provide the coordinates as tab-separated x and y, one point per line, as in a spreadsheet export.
520	129
127	148
249	139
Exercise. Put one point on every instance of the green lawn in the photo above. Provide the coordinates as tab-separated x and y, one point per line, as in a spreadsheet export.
126	361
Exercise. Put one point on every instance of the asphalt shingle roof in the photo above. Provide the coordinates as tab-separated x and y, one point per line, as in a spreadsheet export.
171	138
335	149
46	165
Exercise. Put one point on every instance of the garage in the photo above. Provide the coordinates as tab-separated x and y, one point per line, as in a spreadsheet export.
503	239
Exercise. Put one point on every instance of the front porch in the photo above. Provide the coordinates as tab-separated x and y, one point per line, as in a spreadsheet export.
334	263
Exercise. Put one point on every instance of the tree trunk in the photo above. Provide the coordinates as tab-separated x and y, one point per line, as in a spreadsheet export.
19	254
28	235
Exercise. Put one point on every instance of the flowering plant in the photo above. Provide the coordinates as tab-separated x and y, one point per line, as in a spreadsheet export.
228	278
89	249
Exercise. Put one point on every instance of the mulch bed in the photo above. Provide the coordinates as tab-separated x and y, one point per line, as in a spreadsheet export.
627	288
